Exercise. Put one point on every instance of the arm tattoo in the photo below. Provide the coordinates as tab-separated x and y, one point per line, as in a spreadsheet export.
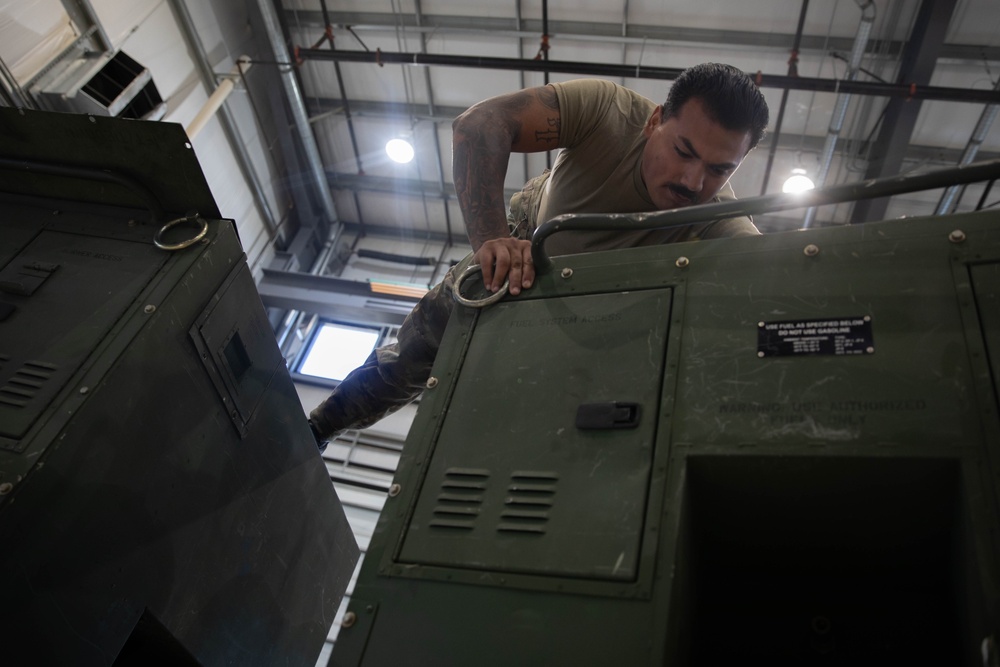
483	139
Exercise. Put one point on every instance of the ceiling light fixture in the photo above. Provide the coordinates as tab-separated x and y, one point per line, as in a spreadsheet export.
399	150
798	182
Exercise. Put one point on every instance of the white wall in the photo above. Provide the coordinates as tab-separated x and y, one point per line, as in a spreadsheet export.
33	32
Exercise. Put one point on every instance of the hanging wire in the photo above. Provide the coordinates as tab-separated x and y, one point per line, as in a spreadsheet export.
819	72
858	151
408	86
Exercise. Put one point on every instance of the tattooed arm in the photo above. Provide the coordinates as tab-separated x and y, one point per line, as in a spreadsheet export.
484	137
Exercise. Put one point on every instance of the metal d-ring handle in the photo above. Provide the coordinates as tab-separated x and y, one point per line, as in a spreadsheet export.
456	290
183	244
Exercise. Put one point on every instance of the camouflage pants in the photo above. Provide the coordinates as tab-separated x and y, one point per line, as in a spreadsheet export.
394	375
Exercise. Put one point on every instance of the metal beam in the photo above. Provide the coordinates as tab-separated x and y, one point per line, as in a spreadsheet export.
440	25
398	186
331	297
321	107
900	90
919	59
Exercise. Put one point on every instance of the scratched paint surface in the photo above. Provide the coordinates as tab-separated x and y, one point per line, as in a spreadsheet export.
513	481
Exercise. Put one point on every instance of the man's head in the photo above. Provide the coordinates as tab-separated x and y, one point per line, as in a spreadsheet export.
713	117
728	95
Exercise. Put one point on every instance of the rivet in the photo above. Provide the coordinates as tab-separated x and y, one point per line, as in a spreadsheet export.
394	490
567	272
131	223
432	382
682	262
84	390
870	350
760	354
6	488
92	119
811	250
149	309
350	618
957	236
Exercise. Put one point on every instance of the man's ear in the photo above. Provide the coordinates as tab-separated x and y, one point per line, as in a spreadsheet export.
654	121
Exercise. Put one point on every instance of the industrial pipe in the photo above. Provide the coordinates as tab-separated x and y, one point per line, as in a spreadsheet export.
243	159
840	108
217	98
299	115
949	200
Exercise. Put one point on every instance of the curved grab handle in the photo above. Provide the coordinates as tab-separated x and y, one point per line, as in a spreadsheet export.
456	290
870	189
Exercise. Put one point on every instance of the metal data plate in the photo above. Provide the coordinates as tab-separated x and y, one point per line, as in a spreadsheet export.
514	484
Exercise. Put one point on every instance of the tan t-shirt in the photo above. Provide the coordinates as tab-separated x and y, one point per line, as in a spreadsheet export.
598	171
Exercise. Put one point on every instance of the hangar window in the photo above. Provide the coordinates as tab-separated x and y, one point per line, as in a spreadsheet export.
336	349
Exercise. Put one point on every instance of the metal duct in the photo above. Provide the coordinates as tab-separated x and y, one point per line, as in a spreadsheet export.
840	110
299	115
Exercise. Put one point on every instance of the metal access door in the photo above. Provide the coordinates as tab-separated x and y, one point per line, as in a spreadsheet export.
543	459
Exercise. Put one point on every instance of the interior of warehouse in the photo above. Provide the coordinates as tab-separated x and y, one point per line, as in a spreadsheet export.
289	105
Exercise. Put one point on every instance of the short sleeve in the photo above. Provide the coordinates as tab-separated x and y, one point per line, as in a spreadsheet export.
583	105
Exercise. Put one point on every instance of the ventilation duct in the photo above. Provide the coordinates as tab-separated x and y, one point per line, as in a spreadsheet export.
111	84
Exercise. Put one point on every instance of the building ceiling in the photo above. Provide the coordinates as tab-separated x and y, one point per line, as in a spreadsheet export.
858	89
926	76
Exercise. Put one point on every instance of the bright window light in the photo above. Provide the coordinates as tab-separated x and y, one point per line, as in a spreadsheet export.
337	349
798	182
399	150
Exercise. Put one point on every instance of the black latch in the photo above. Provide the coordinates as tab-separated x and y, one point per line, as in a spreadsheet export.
610	414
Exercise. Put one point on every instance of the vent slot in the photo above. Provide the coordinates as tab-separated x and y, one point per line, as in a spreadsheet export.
530	496
26	382
460	500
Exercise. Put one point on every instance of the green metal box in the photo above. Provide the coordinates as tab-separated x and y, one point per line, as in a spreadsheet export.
780	449
162	499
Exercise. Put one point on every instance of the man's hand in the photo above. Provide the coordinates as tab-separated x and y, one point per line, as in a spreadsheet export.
503	258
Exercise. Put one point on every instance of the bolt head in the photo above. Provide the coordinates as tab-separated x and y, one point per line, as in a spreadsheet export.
811	250
149	309
567	272
682	262
956	236
431	382
6	488
394	490
350	618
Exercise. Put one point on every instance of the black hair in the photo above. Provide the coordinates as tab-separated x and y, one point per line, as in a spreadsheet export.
729	95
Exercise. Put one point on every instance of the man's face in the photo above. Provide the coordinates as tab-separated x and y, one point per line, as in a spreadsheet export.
689	157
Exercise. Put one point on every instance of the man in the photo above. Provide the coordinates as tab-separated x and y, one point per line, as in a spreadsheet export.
621	154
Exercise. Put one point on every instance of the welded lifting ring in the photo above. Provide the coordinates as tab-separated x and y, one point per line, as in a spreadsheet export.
456	290
157	240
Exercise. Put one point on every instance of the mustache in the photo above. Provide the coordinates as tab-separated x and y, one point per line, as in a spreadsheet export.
682	192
